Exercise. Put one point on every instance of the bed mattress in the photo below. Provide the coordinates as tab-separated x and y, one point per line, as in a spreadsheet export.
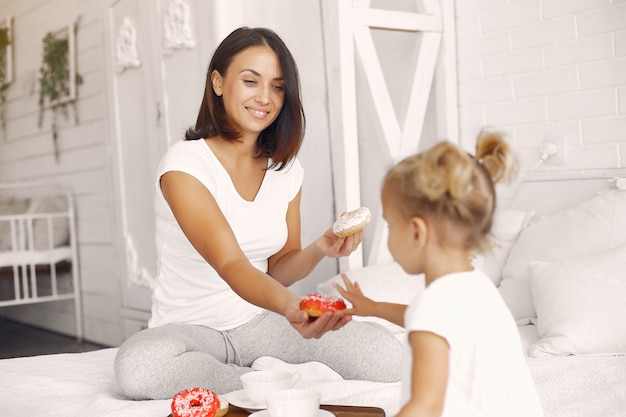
83	384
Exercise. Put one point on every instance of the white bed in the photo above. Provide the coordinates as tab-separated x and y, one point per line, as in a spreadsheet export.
38	253
82	384
569	308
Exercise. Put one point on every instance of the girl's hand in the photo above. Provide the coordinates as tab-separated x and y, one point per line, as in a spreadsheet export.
314	329
334	246
361	305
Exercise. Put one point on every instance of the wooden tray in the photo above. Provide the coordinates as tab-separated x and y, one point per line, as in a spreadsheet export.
337	410
350	411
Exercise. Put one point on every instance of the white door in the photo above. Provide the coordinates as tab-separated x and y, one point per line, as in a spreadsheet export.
158	55
382	57
138	125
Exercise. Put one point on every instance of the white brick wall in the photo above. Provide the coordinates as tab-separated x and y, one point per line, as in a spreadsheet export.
515	15
581	105
513	62
605	73
464	7
556	8
543	33
579	50
484	45
546	82
621	100
539	68
605	20
620	43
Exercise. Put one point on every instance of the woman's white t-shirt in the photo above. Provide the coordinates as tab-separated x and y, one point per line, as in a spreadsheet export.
188	290
488	374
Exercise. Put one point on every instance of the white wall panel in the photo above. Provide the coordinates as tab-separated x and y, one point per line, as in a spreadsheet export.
83	165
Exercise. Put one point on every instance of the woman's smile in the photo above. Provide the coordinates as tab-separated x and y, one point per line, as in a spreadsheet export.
259	114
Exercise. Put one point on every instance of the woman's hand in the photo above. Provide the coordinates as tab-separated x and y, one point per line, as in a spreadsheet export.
314	329
361	305
334	246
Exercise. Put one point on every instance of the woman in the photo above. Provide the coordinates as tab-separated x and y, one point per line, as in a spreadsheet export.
228	242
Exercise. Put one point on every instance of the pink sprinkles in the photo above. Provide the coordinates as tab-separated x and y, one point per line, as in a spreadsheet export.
315	303
195	402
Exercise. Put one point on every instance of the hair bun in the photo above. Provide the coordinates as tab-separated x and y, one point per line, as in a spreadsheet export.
457	168
496	156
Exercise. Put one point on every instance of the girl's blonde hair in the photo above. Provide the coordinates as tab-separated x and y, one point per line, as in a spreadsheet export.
453	188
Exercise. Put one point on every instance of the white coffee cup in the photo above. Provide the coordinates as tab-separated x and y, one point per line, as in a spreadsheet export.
293	402
257	384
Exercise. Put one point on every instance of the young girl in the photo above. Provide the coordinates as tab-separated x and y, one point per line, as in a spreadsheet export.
464	357
227	207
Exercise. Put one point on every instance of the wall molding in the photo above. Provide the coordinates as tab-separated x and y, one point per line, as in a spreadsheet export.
126	51
137	275
177	27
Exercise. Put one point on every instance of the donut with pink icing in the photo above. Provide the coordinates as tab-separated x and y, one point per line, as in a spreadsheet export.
317	304
196	402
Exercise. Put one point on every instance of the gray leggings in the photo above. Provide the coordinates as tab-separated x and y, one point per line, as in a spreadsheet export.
159	362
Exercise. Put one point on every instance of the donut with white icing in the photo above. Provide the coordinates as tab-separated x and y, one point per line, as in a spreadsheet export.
352	222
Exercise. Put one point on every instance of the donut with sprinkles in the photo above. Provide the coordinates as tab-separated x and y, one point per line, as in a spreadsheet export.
195	402
316	304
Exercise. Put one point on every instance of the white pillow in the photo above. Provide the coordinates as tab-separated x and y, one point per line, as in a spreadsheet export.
580	304
385	282
594	225
507	225
517	296
528	336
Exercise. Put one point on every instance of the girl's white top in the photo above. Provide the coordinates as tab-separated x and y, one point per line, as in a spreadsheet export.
488	374
188	289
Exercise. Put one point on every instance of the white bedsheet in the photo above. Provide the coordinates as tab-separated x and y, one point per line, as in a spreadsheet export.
581	386
83	384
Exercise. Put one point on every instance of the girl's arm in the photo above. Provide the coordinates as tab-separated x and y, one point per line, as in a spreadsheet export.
202	221
292	263
429	375
364	306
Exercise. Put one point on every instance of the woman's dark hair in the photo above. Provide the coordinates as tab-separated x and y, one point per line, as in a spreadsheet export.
281	140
